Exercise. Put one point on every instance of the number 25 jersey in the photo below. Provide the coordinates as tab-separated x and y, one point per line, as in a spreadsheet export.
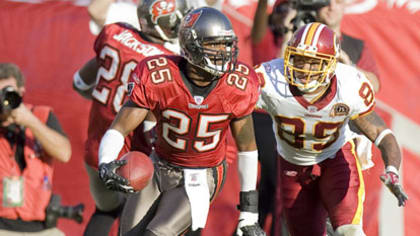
308	133
192	128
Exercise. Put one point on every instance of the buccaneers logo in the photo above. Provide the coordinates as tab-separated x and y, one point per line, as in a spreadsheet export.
191	19
161	8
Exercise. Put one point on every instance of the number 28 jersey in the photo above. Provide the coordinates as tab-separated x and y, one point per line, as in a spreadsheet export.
192	129
119	47
308	133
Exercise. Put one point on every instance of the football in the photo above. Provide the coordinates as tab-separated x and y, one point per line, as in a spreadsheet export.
138	170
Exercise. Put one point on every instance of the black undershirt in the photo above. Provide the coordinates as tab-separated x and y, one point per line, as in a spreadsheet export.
194	89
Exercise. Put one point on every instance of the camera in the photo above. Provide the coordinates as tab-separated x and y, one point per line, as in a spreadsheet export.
306	11
9	99
55	210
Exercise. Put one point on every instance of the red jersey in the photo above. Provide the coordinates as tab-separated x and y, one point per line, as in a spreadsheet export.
192	128
118	49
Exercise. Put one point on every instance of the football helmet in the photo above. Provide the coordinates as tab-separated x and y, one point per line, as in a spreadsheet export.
204	26
161	18
316	46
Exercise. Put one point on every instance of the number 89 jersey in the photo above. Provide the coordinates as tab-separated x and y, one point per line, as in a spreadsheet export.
192	129
308	133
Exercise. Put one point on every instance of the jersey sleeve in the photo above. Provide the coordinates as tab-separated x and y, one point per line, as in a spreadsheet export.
137	87
104	36
259	69
249	97
363	97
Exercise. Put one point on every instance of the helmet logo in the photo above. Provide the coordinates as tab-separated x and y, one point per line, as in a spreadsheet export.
190	19
162	8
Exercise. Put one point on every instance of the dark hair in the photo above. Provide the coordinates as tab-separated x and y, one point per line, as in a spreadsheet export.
8	70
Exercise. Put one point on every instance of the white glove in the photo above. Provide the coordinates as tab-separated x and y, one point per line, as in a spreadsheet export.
248	225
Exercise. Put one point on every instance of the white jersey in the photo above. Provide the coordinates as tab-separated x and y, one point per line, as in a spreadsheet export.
308	133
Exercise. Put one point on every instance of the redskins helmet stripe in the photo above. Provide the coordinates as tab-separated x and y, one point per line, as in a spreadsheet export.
311	34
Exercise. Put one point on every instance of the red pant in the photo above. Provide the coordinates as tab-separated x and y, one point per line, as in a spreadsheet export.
331	188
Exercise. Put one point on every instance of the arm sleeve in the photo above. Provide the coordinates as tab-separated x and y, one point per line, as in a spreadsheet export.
249	97
102	37
364	103
138	92
52	122
260	105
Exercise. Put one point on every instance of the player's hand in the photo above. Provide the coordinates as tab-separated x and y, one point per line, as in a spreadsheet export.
111	179
248	225
20	116
392	181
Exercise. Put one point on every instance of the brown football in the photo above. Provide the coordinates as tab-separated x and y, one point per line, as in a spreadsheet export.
138	170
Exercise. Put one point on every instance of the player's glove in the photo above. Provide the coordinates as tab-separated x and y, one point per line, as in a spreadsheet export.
111	179
248	217
392	180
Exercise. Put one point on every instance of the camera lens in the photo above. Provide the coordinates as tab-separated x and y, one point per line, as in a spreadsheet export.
12	99
9	99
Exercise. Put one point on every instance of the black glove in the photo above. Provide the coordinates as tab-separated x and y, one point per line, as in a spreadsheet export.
248	217
111	179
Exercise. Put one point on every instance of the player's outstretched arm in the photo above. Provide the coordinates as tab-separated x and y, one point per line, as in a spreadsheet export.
127	119
377	131
243	132
84	80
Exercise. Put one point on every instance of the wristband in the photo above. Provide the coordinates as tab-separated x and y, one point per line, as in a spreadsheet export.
381	136
248	201
111	144
248	169
392	169
80	84
148	125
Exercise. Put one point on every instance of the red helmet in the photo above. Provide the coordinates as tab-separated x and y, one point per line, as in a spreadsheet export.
161	18
317	43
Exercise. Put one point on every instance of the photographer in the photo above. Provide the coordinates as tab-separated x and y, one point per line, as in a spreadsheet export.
30	139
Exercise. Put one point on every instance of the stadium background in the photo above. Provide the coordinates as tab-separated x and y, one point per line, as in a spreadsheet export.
50	40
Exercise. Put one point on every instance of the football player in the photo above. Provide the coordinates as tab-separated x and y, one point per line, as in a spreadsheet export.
195	97
311	98
119	47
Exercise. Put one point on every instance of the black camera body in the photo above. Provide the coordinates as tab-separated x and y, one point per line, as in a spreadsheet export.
306	11
9	99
